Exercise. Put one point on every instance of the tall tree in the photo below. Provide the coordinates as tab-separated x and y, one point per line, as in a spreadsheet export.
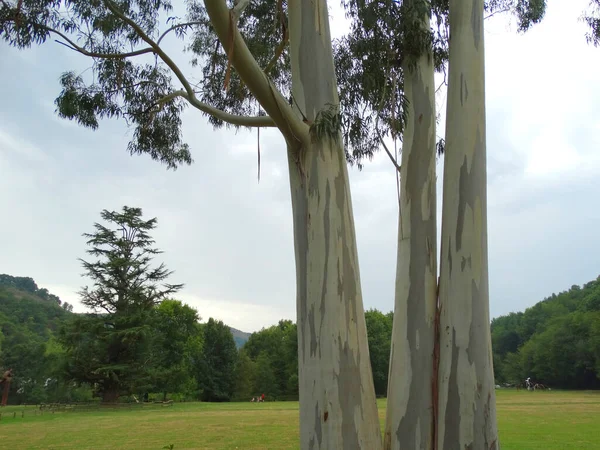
466	411
337	400
219	355
175	327
379	331
265	381
110	348
393	50
280	343
244	376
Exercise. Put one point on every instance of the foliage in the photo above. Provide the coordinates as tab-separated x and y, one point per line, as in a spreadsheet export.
245	376
123	278
264	28
592	19
27	284
556	341
177	340
29	318
112	350
274	352
219	355
379	331
385	39
133	78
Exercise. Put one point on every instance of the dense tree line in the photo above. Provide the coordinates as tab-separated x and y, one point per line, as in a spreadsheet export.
58	356
29	321
556	341
135	340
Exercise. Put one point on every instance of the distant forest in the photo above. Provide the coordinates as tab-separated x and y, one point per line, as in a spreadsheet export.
556	342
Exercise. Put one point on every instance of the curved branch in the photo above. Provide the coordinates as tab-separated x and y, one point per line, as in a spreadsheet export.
188	93
278	52
243	121
239	7
174	27
73	46
265	92
394	161
498	11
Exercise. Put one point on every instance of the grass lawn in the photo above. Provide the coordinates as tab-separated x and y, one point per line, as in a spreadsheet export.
527	421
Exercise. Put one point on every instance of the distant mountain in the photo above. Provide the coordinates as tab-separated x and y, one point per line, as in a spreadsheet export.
240	337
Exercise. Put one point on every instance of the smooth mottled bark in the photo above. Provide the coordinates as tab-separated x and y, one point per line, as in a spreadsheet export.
409	421
337	397
467	407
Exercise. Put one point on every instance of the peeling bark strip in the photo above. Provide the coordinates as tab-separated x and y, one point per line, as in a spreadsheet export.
467	407
337	396
409	419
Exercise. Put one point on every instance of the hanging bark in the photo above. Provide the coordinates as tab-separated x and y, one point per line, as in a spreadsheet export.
337	397
467	404
409	420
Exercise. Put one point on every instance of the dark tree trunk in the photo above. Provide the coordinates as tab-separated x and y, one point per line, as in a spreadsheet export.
110	394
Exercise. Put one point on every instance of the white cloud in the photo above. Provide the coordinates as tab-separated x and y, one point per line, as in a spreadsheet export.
243	316
23	151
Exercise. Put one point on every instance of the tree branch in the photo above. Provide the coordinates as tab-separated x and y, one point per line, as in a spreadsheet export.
278	52
394	162
498	11
243	121
174	27
73	46
265	92
238	8
190	96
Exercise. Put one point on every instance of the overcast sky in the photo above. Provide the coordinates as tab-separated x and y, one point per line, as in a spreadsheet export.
229	238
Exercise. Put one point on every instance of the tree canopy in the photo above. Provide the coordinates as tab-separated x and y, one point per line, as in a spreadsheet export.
111	348
556	341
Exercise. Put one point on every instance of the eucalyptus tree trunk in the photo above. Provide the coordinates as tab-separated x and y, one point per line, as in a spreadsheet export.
337	397
467	403
409	421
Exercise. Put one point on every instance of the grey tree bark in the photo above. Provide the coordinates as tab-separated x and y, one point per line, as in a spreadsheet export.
467	404
409	421
337	397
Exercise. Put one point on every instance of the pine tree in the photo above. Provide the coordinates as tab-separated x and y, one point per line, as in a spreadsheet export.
110	348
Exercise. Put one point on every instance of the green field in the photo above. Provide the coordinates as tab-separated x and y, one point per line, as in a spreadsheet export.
527	421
